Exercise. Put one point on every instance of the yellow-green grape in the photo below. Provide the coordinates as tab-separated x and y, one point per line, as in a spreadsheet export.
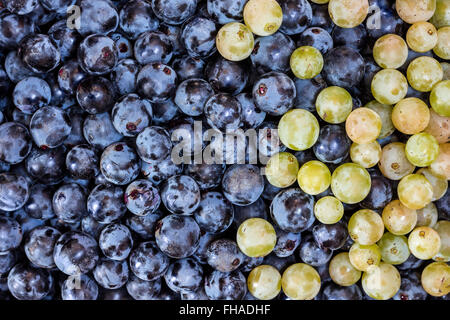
439	127
334	104
281	169
389	86
348	13
256	237
306	62
423	73
385	112
329	210
441	166
300	282
441	17
422	36
342	272
424	243
443	229
398	219
436	279
439	185
320	1
367	155
235	41
415	191
412	11
393	163
314	177
440	98
350	183
363	125
390	51
264	282
364	258
263	17
442	49
382	282
411	115
427	216
394	249
446	67
365	227
422	149
298	129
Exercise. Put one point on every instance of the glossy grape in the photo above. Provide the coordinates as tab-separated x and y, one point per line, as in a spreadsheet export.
365	227
256	237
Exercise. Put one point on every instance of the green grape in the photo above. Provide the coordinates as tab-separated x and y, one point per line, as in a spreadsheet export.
334	104
385	112
364	257
342	272
398	219
281	169
264	282
363	125
436	279
415	191
393	162
365	227
422	149
394	249
439	185
423	73
427	216
440	167
390	51
348	13
412	11
263	17
439	127
367	155
235	41
314	177
441	17
422	36
329	210
389	86
443	229
256	237
300	282
411	115
306	62
440	98
350	183
424	243
446	67
442	49
382	282
298	129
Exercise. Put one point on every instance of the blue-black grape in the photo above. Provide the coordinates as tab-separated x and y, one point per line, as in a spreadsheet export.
184	275
147	262
105	203
115	241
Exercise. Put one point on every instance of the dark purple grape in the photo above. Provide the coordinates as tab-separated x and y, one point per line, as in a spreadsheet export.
333	291
252	116
184	275
158	171
98	54
174	11
82	162
195	295
311	253
153	46
225	286
13	28
153	143
124	46
65	38
131	115
143	290
111	274
98	17
308	90
7	261
215	213
174	34
226	11
187	67
14	192
255	210
116	294
120	164
316	37
144	226
69	203
95	95
343	67
387	21
15	142
156	82
142	198
223	112
333	144
268	139
380	194
83	288
321	17
330	236
199	37
47	166
69	76
28	283
60	6
10	233
443	206
136	17
411	287
287	243
99	131
91	226
297	16
411	263
227	76
147	262
350	37
105	203
192	95
207	176
30	94
39	53
180	194
49	127
164	112
39	246
224	255
242	184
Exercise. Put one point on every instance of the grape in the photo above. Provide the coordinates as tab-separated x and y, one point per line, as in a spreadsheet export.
367	155
441	166
350	183
424	243
389	86
314	177
415	191
439	126
411	116
363	125
364	257
422	36
441	17
328	210
264	282
342	272
365	227
394	249
427	216
439	185
446	67
263	17
348	13
439	98
393	163
442	49
436	279
256	237
422	149
443	229
281	169
306	62
300	282
334	104
382	282
390	51
235	41
423	73
412	11
298	129
385	112
399	219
